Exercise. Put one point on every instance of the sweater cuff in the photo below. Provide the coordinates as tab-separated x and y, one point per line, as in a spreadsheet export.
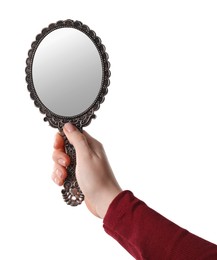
118	208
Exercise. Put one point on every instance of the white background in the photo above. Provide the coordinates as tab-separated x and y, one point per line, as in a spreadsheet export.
158	124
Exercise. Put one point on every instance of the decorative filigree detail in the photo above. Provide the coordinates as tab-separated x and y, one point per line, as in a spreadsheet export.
71	192
84	118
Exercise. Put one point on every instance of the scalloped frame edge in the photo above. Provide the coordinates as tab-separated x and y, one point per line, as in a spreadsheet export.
84	118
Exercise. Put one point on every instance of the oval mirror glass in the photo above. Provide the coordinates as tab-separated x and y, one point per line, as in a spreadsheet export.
67	72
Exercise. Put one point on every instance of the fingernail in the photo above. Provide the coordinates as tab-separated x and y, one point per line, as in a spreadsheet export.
56	181
62	162
59	173
69	127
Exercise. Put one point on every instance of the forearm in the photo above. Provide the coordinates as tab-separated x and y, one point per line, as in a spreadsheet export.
148	235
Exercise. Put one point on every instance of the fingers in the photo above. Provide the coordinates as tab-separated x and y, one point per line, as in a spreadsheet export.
61	161
59	174
59	142
77	139
61	158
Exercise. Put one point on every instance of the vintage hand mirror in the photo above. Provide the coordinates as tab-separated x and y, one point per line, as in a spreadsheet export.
68	74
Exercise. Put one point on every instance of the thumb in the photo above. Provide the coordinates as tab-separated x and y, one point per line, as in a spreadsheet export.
76	138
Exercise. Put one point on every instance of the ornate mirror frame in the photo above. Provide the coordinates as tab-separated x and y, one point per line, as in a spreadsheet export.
71	193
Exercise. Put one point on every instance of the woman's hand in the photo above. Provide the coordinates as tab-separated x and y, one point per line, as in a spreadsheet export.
93	172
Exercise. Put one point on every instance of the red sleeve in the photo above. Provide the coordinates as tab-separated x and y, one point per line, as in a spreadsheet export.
145	234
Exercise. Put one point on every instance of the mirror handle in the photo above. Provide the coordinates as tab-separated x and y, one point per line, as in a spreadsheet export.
72	193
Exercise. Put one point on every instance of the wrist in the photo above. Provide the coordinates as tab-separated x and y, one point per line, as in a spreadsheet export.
105	199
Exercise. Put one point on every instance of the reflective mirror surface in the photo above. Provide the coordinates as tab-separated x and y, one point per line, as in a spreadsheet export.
67	72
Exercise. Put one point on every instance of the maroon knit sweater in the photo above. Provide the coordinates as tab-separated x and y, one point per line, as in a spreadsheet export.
145	234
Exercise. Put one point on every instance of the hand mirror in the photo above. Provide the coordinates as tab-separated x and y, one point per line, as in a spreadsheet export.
67	73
